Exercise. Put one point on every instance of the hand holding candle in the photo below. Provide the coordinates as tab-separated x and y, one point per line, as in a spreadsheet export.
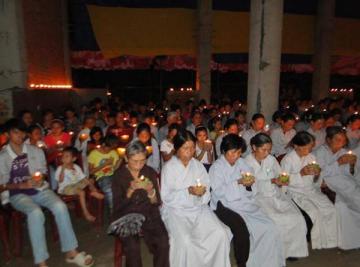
83	137
124	138
284	178
37	179
247	179
121	151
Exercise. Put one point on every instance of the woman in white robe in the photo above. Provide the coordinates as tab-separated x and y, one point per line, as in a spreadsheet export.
230	127
300	165
316	129
282	136
268	194
257	126
197	237
338	172
231	190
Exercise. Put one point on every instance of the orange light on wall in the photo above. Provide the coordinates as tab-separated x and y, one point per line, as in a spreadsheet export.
50	86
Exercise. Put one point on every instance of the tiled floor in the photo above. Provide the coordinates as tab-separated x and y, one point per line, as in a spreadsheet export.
101	247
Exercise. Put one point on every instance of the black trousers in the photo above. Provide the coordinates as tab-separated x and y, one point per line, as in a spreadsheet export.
156	238
239	230
308	221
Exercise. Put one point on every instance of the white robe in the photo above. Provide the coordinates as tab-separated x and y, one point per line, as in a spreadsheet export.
279	207
308	196
347	202
197	237
320	137
247	135
281	140
265	241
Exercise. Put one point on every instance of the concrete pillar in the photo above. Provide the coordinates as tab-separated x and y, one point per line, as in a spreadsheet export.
203	56
12	54
324	28
266	19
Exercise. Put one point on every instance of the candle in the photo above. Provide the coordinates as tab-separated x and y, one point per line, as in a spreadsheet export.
313	162
71	133
284	177
142	178
98	146
40	144
221	132
267	127
37	176
198	183
59	143
154	124
121	151
125	119
149	149
124	137
83	136
350	152
208	141
134	125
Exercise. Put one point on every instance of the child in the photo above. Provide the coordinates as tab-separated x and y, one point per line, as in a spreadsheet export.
96	136
103	162
35	137
204	148
72	181
167	146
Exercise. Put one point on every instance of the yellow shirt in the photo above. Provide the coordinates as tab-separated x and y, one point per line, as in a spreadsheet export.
96	158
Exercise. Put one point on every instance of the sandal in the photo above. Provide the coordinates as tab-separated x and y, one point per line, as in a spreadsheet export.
80	259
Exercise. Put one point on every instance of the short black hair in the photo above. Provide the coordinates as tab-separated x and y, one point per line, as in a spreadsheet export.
32	128
230	122
352	118
111	141
174	126
257	116
287	117
15	124
260	139
143	127
302	138
70	149
200	128
232	141
182	137
334	130
316	116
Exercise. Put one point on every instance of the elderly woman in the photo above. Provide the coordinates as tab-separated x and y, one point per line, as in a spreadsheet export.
197	237
234	203
268	194
338	172
135	190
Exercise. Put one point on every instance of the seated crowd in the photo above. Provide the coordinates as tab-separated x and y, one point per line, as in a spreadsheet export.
200	175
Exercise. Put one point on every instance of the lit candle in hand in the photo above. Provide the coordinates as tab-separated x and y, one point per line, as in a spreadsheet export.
37	177
124	137
121	151
198	183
